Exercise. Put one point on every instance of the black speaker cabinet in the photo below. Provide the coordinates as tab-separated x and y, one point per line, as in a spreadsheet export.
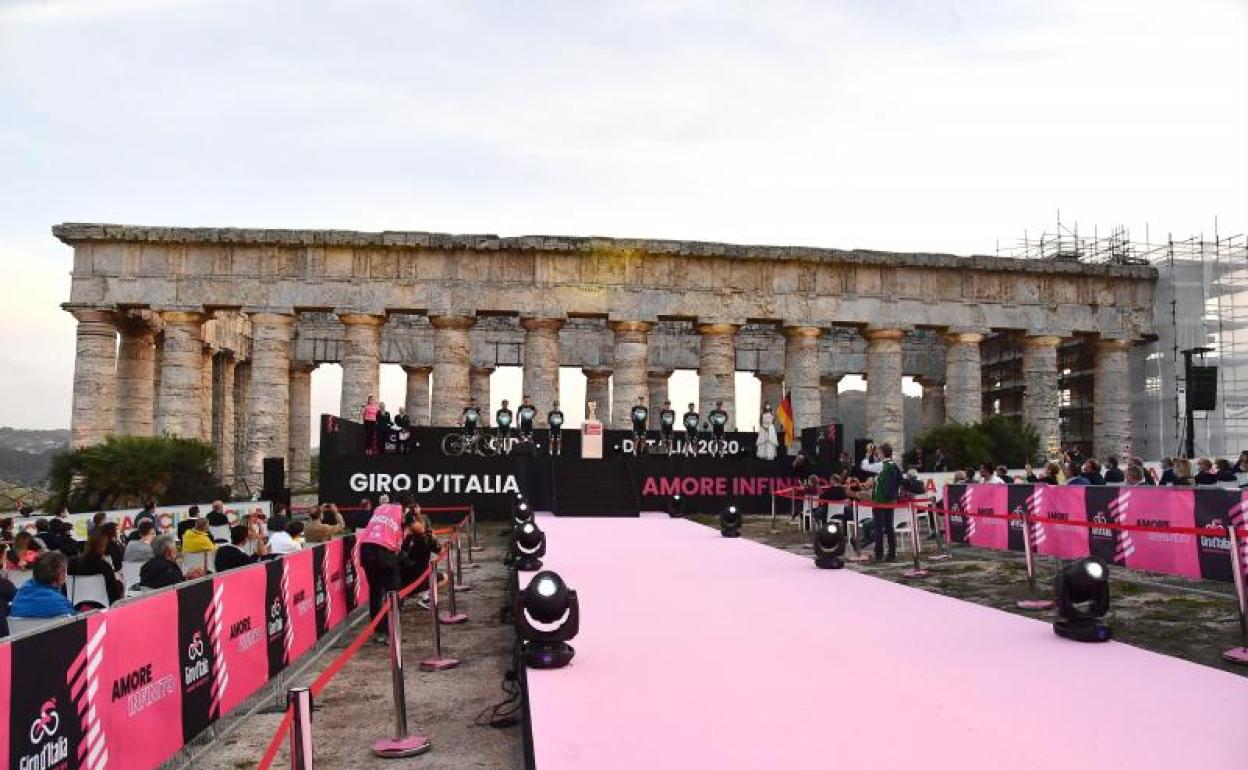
274	473
1202	388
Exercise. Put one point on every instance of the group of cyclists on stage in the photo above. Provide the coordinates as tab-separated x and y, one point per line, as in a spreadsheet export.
510	428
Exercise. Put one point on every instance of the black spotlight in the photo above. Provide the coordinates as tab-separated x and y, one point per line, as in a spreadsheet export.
730	522
676	506
830	545
1082	600
522	513
529	547
547	616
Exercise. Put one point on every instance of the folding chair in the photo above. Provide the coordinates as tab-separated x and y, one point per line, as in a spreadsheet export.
87	588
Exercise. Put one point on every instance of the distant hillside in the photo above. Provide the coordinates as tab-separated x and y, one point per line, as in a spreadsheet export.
25	454
34	441
854	416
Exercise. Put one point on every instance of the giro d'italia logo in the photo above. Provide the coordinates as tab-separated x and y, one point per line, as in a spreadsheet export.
195	650
48	722
48	749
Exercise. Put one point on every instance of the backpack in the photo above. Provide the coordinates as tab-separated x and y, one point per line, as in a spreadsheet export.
888	485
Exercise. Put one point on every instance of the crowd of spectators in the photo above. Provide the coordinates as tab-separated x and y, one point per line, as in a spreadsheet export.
35	566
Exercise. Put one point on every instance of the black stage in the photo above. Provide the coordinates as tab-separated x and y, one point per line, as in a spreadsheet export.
617	485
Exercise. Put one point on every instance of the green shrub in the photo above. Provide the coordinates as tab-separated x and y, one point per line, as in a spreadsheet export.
125	471
997	439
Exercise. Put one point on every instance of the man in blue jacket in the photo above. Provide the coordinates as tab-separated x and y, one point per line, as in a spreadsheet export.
41	596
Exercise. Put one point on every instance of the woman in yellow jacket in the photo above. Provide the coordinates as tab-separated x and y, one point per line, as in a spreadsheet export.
197	539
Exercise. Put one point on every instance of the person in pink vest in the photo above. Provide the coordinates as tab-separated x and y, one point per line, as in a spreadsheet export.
379	555
368	415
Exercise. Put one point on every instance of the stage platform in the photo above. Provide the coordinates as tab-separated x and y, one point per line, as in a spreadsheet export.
700	651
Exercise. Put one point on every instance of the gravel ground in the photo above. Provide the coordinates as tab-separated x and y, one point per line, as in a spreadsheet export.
1190	619
356	708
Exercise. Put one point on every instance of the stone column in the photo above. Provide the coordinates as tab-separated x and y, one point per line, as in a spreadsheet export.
632	352
361	362
885	400
656	386
479	388
598	390
541	363
450	367
801	375
1111	400
223	419
95	377
299	474
418	393
717	367
157	366
205	395
268	408
771	390
829	399
242	390
179	411
1040	390
933	404
136	379
964	391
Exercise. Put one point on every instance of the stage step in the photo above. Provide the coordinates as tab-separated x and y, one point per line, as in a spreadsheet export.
600	488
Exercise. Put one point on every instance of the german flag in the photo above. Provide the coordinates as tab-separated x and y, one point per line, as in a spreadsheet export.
784	416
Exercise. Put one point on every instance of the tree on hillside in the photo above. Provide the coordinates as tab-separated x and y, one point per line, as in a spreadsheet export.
125	471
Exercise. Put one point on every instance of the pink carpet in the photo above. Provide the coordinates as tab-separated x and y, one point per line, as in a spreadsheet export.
697	651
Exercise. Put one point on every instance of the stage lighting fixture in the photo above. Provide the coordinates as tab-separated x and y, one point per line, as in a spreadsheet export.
522	513
730	522
547	615
830	545
676	507
529	546
1082	600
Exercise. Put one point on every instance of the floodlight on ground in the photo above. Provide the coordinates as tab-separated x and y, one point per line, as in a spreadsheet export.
730	522
547	615
676	506
830	545
1082	589
528	547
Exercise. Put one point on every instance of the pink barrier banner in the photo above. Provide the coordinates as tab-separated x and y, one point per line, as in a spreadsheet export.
1055	511
300	605
127	687
240	621
142	693
1055	505
1174	554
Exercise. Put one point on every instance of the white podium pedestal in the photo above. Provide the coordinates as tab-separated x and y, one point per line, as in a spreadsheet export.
591	440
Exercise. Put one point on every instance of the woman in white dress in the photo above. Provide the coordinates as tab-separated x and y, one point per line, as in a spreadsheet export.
767	441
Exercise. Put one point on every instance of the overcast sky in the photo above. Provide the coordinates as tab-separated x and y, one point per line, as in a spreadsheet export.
908	125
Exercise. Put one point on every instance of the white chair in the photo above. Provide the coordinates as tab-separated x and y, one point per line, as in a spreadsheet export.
18	576
130	576
18	626
220	534
87	588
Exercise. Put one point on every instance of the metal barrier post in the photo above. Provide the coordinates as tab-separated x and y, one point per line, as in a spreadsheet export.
773	511
437	661
472	514
1028	554
915	544
466	530
460	585
299	700
454	616
402	744
1238	654
940	554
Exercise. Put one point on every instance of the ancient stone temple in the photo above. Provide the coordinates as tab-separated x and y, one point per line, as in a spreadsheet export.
213	333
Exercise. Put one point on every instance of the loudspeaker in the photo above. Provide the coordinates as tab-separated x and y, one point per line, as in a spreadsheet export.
1202	388
274	474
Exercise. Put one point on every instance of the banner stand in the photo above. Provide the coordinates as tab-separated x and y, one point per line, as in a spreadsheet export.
437	661
300	700
402	744
1028	554
1238	654
915	545
453	617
